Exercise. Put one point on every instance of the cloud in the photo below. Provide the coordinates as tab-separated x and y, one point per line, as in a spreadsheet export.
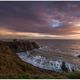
10	33
49	18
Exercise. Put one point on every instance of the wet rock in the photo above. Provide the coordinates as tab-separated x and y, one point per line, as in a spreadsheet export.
63	67
35	45
78	56
44	63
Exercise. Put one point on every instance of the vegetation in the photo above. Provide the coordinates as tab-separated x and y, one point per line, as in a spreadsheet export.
11	66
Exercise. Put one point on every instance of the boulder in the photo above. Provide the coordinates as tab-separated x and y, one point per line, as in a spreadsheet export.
63	67
78	56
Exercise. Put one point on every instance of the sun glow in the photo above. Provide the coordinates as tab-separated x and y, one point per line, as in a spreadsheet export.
11	34
6	32
77	25
77	31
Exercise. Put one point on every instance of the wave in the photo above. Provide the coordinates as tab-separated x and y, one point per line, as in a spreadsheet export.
49	64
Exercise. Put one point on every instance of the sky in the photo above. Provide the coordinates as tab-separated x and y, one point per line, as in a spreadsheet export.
40	19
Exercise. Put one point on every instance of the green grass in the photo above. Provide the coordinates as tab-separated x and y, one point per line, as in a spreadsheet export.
73	75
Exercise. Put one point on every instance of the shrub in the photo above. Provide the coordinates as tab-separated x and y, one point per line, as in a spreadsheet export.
74	75
24	76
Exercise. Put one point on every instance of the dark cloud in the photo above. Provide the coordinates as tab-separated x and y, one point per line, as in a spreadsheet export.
25	16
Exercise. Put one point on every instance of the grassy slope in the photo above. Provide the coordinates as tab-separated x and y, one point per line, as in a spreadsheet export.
11	66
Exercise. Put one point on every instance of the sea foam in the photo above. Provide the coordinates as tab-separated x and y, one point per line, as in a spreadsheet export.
44	63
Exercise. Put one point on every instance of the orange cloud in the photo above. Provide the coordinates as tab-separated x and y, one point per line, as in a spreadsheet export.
6	33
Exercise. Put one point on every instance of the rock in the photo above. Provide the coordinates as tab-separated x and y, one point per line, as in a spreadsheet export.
35	45
78	56
29	45
63	67
18	45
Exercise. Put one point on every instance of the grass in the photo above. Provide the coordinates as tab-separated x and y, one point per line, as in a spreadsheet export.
73	75
11	66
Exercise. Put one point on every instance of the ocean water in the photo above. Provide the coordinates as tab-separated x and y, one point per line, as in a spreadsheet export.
52	53
65	46
49	64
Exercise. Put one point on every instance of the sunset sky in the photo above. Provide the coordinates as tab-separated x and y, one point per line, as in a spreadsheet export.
40	19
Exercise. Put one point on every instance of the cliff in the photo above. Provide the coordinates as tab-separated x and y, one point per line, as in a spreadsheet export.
11	66
17	46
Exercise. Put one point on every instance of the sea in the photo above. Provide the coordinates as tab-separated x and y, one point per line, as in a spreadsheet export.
52	53
64	46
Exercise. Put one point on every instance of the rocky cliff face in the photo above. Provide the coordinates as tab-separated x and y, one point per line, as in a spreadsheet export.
49	64
16	66
22	48
18	46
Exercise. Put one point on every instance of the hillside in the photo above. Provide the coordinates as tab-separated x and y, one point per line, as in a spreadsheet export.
11	66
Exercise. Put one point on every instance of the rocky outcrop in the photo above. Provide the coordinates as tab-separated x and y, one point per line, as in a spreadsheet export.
63	67
18	45
24	46
48	64
78	56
